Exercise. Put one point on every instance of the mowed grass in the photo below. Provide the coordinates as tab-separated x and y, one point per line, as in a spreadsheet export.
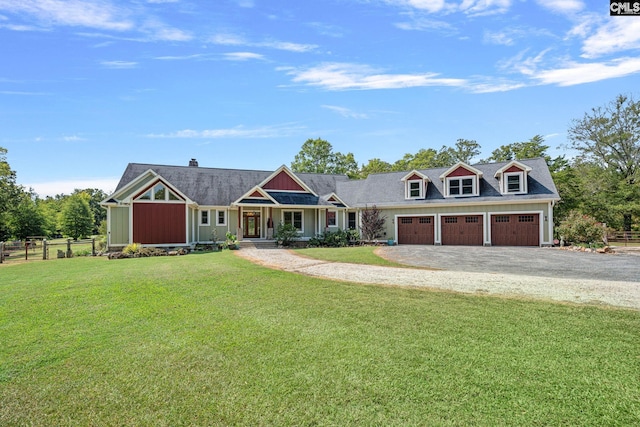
351	254
212	339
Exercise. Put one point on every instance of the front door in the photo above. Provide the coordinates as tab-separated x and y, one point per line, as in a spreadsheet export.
251	224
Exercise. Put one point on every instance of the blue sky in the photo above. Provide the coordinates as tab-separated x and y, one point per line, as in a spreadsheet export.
88	86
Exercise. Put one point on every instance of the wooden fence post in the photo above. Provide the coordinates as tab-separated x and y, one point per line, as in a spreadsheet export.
69	253
44	249
26	250
93	247
1	252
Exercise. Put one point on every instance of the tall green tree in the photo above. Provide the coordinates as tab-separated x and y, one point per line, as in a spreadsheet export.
374	166
77	218
463	151
10	194
95	197
608	138
26	219
533	148
317	156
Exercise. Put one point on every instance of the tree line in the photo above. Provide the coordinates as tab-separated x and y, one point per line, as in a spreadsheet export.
601	181
24	214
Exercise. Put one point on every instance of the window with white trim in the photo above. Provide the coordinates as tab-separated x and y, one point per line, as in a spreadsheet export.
204	217
293	217
514	182
221	217
159	192
462	186
332	218
415	189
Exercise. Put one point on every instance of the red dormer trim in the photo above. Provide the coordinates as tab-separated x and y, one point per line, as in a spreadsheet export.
256	194
283	182
461	171
513	168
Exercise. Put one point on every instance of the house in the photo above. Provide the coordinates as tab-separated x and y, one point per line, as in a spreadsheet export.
506	203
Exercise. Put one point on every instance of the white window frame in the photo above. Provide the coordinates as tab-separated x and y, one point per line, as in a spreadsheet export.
420	189
335	218
208	219
293	212
474	185
152	193
224	217
505	182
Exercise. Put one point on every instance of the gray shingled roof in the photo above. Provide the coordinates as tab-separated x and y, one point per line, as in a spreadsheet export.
221	187
387	189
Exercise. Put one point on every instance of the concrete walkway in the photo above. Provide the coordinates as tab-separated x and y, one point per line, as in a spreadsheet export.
576	290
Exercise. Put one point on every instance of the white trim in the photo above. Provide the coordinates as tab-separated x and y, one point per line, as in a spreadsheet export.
525	212
335	211
292	175
108	226
470	168
301	229
408	189
226	216
522	182
131	184
201	212
475	187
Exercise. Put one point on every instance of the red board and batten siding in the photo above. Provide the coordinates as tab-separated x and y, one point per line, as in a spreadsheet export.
283	182
461	171
159	223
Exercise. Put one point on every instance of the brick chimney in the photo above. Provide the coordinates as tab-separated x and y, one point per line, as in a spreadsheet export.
193	163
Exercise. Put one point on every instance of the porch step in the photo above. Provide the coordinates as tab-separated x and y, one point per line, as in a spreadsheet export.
258	244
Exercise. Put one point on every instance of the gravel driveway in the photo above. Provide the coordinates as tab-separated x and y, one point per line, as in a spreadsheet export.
539	273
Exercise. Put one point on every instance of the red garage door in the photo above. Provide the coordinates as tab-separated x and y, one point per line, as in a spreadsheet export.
515	230
415	230
462	230
158	223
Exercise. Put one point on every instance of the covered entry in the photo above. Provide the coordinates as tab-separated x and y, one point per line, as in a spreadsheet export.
515	230
462	230
415	230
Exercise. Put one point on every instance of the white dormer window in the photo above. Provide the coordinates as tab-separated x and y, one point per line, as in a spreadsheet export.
514	182
461	180
415	185
461	186
159	192
513	178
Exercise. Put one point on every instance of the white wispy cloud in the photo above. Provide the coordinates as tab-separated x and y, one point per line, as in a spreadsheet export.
347	76
236	40
94	14
242	56
345	112
484	7
119	65
182	57
574	73
276	131
615	35
23	93
562	6
426	5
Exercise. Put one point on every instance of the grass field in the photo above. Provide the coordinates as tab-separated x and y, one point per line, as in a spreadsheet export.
211	339
352	254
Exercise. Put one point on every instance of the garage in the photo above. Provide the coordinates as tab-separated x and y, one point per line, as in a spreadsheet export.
159	223
462	230
416	230
515	230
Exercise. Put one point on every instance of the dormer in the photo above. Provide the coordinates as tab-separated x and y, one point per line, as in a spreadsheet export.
512	178
461	180
415	185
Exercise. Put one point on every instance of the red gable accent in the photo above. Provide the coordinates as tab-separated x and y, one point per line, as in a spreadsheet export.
461	171
414	177
514	168
256	194
332	199
283	181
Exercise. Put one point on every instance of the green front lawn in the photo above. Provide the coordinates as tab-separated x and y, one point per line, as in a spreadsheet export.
211	339
351	254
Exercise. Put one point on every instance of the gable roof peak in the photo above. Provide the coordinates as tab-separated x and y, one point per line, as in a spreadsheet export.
461	165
